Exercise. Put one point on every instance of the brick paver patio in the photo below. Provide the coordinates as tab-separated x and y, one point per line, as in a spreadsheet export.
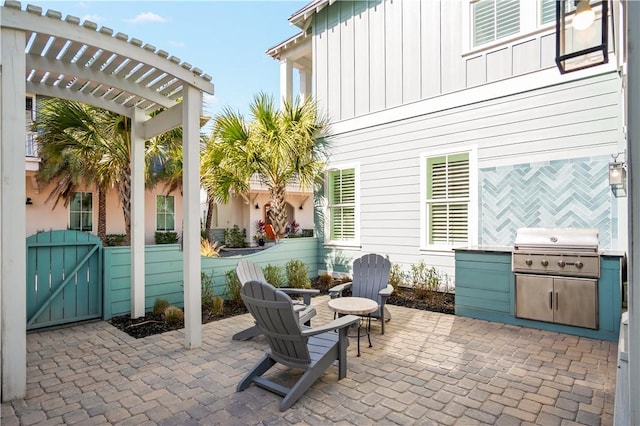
428	368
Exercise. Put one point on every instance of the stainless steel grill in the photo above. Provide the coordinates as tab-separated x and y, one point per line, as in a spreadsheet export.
556	273
557	251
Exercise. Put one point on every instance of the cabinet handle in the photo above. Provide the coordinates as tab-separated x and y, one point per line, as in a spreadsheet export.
557	301
551	300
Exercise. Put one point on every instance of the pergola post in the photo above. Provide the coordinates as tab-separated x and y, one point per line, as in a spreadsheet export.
191	109
13	303
137	214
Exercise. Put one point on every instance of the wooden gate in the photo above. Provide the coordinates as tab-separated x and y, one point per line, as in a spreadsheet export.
64	278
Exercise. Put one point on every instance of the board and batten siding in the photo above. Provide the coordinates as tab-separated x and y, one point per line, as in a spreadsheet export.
577	119
373	55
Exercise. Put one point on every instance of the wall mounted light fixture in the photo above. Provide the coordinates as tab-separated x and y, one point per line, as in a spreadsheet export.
618	177
29	201
257	206
581	34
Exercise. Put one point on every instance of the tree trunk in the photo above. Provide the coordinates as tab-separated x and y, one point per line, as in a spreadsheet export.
277	212
124	191
211	205
102	214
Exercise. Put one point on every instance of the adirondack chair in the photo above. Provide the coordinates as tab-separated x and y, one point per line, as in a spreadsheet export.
310	349
370	280
248	271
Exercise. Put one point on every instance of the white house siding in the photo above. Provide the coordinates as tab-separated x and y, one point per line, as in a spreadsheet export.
556	139
379	54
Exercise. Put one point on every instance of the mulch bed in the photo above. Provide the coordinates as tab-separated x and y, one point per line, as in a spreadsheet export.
152	324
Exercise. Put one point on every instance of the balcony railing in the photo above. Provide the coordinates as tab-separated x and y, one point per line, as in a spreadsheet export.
31	145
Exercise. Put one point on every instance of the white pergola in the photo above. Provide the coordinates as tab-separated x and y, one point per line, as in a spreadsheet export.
43	53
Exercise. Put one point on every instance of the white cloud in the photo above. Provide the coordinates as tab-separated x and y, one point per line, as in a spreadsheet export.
146	17
179	44
93	18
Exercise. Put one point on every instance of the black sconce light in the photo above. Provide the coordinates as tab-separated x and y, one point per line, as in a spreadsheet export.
257	206
618	177
29	201
581	34
300	207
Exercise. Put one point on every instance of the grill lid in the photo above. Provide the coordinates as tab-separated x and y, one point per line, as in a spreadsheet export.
557	239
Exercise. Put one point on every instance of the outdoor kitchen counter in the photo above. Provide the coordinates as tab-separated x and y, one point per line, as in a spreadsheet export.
485	289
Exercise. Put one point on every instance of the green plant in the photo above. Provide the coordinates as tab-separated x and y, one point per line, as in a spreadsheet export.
207	296
273	275
232	288
397	276
307	232
173	315
159	306
218	306
426	281
166	238
112	240
297	274
234	237
210	249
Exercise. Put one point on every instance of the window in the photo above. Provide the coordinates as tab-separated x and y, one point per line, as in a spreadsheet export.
81	212
547	11
495	19
342	204
165	213
447	199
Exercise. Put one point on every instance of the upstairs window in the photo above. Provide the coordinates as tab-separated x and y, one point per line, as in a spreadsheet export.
81	212
341	196
547	11
165	213
495	19
447	199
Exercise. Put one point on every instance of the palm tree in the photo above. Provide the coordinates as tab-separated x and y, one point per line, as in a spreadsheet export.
85	144
280	147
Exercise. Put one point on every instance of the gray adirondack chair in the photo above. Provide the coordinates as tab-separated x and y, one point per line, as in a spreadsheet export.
310	349
370	280
248	271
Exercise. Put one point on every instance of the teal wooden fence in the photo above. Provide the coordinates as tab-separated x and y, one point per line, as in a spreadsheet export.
163	271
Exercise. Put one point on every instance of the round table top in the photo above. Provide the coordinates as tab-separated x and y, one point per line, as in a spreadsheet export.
353	305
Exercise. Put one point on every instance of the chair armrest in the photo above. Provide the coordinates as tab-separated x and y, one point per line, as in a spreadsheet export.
385	292
337	290
336	324
305	292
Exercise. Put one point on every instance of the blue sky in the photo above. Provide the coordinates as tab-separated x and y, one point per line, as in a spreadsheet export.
226	39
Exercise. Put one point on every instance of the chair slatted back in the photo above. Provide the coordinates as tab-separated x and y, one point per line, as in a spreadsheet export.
248	271
370	275
273	311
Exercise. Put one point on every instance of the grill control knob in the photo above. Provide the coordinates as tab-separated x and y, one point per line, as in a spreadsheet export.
561	263
544	262
579	264
529	262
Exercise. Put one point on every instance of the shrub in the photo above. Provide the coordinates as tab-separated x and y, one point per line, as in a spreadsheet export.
207	296
307	232
159	306
210	249
166	238
232	288
173	315
325	282
113	240
218	306
294	227
297	274
234	237
273	275
396	276
426	281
